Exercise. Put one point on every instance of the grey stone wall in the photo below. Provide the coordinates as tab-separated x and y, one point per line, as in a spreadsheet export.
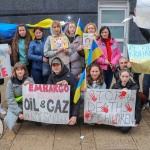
33	11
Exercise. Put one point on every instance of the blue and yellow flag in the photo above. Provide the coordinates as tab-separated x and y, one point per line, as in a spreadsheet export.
7	30
80	84
45	24
94	53
80	28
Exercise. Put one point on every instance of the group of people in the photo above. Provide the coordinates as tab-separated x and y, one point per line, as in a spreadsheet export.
59	59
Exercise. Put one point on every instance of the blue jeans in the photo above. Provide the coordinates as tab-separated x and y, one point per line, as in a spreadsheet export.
146	85
38	76
108	75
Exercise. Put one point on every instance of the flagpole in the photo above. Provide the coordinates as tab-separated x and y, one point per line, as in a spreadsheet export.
85	83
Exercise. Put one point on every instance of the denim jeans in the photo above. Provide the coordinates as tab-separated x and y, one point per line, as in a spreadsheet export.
108	75
146	85
38	76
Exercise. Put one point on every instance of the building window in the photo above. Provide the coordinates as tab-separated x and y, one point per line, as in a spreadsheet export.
111	13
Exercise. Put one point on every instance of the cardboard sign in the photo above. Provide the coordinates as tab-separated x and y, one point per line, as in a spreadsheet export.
111	107
46	103
5	66
87	40
139	56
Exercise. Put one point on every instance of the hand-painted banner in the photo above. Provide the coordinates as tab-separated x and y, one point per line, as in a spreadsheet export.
5	66
139	56
111	107
142	11
46	103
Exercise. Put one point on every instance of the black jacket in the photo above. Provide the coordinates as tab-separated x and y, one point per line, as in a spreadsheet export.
72	81
132	86
146	34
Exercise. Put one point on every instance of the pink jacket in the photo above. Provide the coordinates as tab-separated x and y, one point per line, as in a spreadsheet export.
116	54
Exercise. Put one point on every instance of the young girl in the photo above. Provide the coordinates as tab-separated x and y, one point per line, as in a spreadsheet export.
76	61
20	45
57	44
36	55
94	77
111	54
14	94
126	83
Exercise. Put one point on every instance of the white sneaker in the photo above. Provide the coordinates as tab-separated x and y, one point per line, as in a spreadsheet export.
2	111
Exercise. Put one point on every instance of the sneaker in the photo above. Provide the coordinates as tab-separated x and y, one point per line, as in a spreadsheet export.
146	105
2	111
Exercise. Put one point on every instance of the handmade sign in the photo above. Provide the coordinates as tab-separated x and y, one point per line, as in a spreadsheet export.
139	56
5	66
87	40
111	107
46	103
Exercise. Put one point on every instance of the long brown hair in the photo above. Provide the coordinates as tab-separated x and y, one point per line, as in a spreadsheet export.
16	41
100	78
22	66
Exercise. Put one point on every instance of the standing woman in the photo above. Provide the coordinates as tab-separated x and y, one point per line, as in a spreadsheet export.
76	61
111	54
91	29
36	55
20	45
126	83
57	44
14	94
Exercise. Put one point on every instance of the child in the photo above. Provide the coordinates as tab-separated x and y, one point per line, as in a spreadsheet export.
126	83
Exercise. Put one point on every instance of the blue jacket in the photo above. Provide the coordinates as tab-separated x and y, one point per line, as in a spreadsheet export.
36	54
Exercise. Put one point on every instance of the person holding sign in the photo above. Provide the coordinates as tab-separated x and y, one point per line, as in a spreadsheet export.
126	83
76	61
90	28
57	44
36	55
95	79
61	75
111	54
20	46
14	94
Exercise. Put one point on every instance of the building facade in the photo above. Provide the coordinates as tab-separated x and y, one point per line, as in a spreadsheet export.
101	12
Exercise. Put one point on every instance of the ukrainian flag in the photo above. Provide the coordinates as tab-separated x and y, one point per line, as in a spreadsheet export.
94	53
80	28
7	30
45	24
80	84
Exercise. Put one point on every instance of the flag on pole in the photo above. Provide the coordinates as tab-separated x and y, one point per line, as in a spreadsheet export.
80	28
80	84
94	53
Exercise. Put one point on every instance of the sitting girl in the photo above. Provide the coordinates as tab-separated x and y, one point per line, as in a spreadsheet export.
126	83
94	78
14	94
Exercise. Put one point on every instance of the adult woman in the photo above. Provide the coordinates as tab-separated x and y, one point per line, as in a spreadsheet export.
61	75
76	61
57	44
111	54
14	94
91	29
36	55
94	77
20	45
126	83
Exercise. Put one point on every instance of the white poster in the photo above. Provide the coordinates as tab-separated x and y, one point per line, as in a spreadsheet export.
87	40
5	66
142	11
111	107
46	103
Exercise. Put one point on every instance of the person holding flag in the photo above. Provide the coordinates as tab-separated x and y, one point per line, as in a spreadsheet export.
111	54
